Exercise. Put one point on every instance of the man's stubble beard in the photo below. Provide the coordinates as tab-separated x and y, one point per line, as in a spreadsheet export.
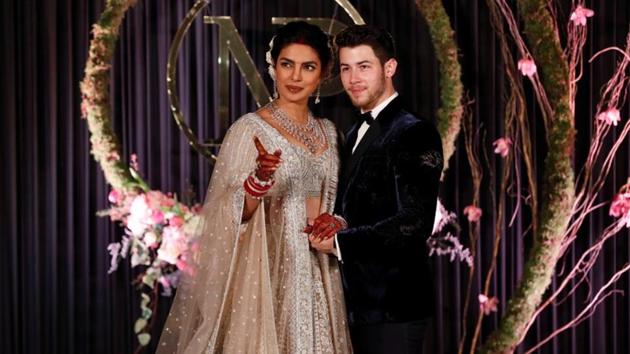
373	99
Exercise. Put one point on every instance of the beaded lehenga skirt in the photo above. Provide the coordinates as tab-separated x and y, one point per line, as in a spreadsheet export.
259	287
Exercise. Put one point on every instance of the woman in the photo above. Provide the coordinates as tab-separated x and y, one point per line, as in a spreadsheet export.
259	287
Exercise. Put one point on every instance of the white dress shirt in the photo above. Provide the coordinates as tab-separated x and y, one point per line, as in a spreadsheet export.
374	113
362	130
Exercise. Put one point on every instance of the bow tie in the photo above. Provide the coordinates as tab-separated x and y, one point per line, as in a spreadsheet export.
366	117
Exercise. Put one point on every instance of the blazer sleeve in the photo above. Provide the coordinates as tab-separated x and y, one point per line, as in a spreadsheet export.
417	163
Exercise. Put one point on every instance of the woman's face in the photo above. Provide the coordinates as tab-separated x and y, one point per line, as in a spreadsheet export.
298	72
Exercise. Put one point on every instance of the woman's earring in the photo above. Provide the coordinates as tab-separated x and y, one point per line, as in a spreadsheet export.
275	89
318	92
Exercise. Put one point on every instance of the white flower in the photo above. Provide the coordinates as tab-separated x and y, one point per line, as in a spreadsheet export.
270	69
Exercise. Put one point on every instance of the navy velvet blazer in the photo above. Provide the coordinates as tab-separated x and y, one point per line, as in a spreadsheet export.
387	193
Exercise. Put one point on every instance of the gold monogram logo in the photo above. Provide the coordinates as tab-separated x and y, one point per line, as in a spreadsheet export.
230	42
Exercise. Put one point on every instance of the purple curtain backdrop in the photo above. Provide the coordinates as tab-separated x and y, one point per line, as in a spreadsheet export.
53	257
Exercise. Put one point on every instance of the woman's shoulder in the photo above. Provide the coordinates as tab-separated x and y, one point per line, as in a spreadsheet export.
244	121
249	122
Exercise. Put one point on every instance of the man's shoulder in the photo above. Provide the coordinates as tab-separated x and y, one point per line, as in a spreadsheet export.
411	131
409	121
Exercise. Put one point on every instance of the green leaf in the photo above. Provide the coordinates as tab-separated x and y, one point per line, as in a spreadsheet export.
139	325
145	299
144	339
141	183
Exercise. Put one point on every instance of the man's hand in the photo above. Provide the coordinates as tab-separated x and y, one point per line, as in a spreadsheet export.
325	227
323	245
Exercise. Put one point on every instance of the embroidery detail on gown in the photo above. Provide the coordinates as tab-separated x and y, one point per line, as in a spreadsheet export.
260	287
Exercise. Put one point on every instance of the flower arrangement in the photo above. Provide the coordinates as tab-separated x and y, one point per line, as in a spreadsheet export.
160	235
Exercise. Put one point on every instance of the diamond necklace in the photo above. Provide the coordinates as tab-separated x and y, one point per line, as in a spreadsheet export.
307	134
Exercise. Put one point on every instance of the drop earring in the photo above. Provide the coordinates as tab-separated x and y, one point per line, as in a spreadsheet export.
318	93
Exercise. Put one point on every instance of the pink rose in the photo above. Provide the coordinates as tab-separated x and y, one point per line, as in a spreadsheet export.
114	196
157	217
176	221
473	213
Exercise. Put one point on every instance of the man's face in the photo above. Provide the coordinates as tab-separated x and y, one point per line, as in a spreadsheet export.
364	77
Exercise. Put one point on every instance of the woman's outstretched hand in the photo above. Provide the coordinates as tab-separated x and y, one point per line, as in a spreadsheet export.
267	163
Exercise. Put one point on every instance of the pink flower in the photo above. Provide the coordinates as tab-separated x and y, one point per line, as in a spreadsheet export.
157	217
115	196
620	206
85	107
487	305
134	162
502	146
473	213
176	221
579	15
610	116
185	267
527	67
159	200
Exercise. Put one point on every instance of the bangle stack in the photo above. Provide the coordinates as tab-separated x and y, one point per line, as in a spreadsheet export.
256	187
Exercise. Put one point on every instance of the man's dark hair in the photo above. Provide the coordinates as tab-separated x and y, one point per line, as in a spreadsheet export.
302	32
378	39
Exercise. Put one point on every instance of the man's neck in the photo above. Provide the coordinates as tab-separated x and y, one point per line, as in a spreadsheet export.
383	102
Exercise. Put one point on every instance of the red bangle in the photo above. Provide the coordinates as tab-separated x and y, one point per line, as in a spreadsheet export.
255	189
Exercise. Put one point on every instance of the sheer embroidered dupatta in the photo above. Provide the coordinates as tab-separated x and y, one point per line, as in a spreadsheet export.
227	305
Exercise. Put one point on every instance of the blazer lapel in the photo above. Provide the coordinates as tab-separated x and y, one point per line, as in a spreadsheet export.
370	135
347	151
380	124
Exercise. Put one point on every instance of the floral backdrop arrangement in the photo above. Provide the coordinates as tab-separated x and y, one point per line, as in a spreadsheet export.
159	235
160	232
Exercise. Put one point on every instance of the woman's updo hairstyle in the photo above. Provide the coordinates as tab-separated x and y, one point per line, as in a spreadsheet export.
301	32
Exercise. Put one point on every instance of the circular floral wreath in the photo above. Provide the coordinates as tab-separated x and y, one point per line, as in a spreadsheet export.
159	231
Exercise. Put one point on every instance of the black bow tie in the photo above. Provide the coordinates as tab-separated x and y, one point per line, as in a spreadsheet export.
366	117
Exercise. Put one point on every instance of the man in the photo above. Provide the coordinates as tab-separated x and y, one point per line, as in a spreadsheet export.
386	198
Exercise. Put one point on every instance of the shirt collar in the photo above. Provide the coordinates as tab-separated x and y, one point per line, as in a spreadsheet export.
376	110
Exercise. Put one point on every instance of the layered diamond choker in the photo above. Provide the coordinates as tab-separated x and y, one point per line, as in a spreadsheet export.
309	134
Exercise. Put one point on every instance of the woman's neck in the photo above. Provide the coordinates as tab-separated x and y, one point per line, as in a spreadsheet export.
296	111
